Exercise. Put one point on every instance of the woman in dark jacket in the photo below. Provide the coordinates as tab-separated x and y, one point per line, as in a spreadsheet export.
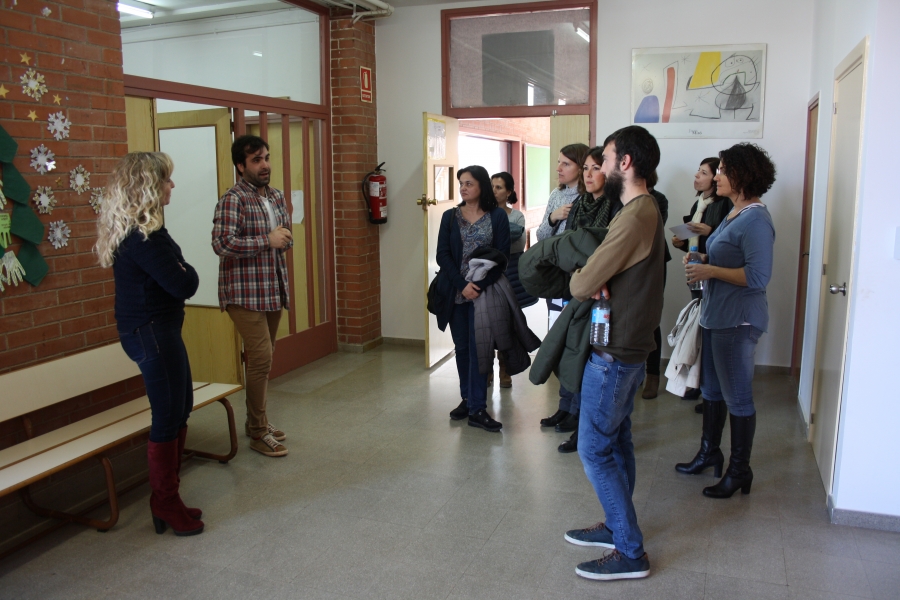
152	282
477	222
707	212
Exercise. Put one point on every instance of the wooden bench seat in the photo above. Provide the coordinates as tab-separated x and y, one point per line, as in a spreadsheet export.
41	456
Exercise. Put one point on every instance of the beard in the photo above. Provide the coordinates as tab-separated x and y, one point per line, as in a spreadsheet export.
615	185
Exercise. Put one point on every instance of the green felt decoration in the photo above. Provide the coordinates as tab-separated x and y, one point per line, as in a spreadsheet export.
8	146
34	264
26	225
14	185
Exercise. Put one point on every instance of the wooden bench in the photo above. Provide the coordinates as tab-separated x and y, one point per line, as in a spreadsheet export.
32	388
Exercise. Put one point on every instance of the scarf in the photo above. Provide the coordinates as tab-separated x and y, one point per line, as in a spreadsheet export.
702	203
590	212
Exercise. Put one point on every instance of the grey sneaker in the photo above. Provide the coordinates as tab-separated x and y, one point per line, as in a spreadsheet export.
276	433
595	535
268	445
615	565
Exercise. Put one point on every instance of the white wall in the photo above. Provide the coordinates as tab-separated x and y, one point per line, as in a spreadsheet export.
865	481
410	83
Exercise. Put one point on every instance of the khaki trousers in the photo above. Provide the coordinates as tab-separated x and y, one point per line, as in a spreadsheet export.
258	331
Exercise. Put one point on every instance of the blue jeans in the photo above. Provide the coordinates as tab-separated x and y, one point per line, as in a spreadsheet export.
569	401
159	352
472	384
605	446
726	367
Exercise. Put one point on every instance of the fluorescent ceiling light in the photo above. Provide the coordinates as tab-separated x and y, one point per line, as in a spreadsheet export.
132	10
562	102
257	53
583	34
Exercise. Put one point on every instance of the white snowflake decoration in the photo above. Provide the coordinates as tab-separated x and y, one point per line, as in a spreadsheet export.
59	234
46	11
97	199
43	159
33	84
58	124
44	199
79	179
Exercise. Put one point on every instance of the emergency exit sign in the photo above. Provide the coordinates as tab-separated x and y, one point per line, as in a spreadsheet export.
365	84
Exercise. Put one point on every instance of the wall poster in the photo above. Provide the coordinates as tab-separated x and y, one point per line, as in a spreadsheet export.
699	91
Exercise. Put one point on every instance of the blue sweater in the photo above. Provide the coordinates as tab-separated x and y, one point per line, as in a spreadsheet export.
745	241
150	283
450	254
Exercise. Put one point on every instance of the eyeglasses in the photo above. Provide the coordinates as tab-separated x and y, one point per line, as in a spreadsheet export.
720	171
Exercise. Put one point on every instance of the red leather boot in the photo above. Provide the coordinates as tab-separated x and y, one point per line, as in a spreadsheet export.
165	505
194	513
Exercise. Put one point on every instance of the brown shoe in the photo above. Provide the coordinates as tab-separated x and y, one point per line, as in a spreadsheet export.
276	433
268	445
505	379
651	387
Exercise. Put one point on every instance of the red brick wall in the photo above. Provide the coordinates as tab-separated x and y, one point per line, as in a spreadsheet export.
355	154
77	48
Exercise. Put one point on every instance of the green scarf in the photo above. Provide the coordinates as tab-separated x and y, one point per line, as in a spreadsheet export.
589	212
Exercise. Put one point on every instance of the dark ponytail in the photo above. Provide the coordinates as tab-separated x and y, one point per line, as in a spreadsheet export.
509	184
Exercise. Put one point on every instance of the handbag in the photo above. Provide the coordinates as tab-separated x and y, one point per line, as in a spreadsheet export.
433	299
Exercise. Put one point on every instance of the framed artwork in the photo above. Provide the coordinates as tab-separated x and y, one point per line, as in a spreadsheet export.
699	91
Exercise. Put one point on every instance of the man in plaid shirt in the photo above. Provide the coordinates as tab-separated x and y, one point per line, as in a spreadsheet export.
251	233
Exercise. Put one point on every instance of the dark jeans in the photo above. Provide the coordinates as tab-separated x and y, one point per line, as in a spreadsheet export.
606	448
159	352
569	401
727	357
472	384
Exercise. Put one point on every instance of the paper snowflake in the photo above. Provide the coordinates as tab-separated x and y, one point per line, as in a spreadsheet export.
44	199
79	179
58	124
46	11
97	199
43	159
59	234
33	84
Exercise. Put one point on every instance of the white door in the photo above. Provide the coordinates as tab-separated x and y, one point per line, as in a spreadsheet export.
837	276
441	136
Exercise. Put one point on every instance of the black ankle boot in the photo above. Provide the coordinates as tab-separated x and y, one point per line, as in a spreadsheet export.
709	455
739	476
570	445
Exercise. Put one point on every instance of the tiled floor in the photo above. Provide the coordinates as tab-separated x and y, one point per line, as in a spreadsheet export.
382	496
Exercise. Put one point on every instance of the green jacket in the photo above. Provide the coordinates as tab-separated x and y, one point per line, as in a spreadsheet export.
545	272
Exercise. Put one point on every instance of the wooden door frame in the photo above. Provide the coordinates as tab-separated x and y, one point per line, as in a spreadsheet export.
857	56
511	112
805	214
319	340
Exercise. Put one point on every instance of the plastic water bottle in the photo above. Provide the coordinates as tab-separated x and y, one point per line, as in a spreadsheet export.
694	259
600	323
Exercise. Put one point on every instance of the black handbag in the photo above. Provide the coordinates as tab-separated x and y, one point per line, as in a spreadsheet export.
433	299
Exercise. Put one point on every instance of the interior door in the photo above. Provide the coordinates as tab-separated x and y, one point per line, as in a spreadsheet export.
837	276
199	142
441	136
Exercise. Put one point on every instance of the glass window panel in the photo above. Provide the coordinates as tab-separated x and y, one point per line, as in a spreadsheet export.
537	176
493	155
523	59
272	54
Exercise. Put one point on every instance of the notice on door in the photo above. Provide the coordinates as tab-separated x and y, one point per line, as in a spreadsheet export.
365	84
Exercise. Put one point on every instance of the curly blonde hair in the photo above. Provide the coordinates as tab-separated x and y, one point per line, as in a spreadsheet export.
132	200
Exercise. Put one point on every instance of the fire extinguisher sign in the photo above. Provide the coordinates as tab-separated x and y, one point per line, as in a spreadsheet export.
365	84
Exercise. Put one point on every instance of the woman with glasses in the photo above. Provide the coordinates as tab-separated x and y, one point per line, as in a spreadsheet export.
737	267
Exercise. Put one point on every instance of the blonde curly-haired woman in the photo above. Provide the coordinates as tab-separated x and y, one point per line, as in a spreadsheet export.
152	282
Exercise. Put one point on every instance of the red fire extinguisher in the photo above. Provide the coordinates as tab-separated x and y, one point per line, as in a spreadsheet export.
374	189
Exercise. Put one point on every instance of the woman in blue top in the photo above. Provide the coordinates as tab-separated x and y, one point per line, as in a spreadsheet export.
734	314
477	222
152	282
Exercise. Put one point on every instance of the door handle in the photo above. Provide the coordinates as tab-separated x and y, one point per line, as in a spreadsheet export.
424	201
835	289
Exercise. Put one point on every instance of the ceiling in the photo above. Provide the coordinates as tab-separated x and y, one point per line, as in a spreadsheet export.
170	11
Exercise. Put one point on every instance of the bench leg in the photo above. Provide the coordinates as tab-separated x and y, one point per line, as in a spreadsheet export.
102	526
222	458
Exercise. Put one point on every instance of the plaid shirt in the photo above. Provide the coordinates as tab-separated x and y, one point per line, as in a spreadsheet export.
248	269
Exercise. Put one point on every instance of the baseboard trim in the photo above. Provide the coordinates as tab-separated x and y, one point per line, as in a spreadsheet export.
866	520
404	342
361	348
